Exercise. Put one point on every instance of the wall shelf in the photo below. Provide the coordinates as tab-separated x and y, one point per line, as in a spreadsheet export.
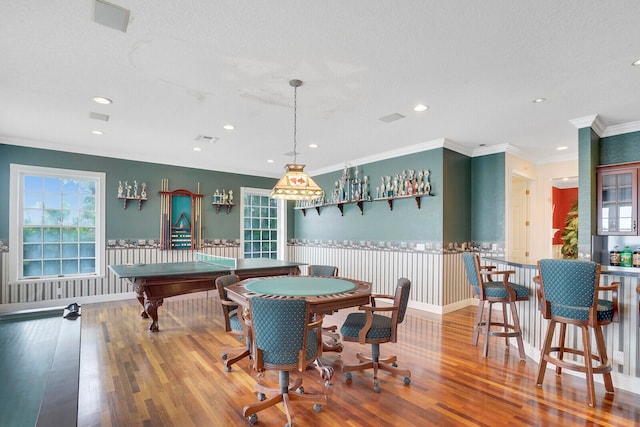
126	200
390	200
360	203
227	206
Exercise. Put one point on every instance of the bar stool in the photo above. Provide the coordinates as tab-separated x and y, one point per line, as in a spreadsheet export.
568	295
504	292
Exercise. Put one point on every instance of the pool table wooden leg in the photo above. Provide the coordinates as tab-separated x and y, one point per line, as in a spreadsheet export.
151	308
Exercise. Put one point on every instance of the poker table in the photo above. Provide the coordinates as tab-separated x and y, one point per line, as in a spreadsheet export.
324	294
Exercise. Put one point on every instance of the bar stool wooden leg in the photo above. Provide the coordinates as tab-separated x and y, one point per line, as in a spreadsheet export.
516	327
542	366
487	331
586	342
476	330
604	359
563	333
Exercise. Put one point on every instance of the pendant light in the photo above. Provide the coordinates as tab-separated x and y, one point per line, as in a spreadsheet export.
296	184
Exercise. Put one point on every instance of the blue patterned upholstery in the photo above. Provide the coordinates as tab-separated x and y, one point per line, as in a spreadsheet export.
570	288
229	309
501	291
568	294
284	340
323	270
279	327
383	329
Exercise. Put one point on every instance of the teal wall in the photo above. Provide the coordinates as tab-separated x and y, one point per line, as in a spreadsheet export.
404	223
620	149
133	223
488	198
457	201
588	159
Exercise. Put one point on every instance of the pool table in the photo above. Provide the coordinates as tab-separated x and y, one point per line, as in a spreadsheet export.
40	365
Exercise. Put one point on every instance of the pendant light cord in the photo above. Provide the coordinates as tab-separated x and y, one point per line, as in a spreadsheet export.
295	116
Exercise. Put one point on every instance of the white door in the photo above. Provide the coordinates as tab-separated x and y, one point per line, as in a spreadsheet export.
519	235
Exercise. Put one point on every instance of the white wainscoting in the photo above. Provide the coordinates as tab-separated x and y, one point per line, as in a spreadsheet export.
109	285
439	284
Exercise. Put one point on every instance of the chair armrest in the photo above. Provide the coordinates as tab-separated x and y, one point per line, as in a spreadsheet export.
368	311
614	298
487	267
229	303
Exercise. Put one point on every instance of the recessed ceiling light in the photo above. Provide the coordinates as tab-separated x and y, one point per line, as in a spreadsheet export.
102	100
420	107
229	127
270	161
97	132
637	63
197	149
539	100
561	148
313	145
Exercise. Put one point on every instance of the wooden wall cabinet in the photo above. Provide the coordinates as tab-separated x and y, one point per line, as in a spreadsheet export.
618	200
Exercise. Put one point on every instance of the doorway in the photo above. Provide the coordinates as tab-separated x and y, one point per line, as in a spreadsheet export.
518	245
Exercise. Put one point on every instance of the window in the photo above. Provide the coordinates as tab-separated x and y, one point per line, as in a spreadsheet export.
56	223
263	228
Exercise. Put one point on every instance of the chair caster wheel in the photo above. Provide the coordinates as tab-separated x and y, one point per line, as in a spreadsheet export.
407	380
227	368
394	364
224	356
349	376
376	388
317	408
300	390
253	419
261	397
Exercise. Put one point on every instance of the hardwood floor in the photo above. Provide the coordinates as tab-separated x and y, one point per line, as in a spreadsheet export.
130	377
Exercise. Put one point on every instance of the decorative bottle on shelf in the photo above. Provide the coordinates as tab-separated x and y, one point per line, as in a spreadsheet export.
626	257
614	257
636	258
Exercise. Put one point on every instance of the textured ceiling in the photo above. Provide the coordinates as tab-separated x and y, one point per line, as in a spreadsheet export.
186	68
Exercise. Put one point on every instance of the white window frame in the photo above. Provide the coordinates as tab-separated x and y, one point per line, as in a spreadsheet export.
16	193
282	220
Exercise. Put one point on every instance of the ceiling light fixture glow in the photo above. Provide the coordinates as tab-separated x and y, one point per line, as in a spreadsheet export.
97	132
102	100
197	149
562	148
296	184
270	161
228	127
420	108
637	63
539	100
313	145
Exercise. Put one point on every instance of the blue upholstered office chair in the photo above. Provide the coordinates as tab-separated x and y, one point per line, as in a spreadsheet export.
568	294
367	327
233	322
316	270
284	339
504	292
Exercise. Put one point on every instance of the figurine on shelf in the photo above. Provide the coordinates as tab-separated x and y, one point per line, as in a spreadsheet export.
427	185
143	192
383	188
230	197
420	184
120	190
365	187
336	192
135	189
216	196
128	188
224	197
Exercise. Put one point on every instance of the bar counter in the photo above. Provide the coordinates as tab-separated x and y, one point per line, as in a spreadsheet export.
621	338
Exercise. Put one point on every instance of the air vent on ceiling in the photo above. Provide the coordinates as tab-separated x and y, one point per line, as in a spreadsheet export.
391	118
205	138
99	116
111	15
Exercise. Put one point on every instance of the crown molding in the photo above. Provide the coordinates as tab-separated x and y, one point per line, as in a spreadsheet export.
493	149
621	129
594	122
411	149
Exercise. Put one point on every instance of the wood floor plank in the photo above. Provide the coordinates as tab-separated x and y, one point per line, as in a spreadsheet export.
130	377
